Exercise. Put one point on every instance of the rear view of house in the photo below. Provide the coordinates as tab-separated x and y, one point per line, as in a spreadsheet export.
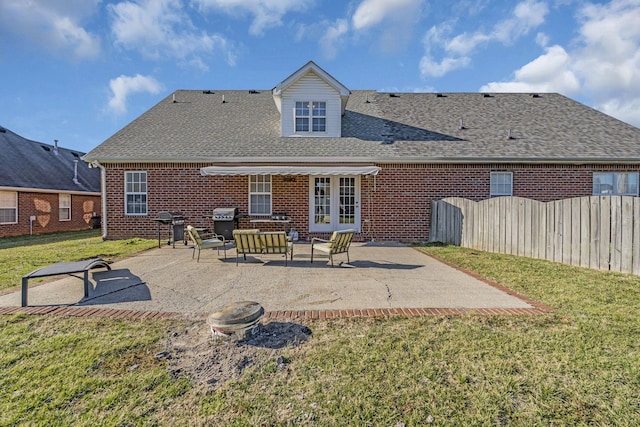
313	155
45	188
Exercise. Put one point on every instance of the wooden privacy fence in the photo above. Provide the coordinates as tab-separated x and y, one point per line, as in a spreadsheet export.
600	232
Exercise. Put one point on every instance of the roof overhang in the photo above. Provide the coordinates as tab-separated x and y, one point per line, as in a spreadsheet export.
289	170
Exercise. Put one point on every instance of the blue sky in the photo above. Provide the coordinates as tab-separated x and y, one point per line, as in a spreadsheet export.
80	70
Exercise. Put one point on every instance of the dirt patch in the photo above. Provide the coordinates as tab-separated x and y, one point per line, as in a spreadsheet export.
210	360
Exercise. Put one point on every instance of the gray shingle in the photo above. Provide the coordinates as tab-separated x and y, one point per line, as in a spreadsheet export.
376	127
30	164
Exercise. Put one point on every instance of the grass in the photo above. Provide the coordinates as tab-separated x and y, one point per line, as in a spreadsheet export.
578	365
23	254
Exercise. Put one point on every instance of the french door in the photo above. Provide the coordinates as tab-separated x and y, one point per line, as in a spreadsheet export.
334	203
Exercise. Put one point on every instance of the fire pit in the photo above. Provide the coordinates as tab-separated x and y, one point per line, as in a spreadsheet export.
236	319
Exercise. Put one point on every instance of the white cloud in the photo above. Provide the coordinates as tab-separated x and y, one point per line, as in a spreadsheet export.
393	19
604	64
372	12
457	50
430	67
550	72
123	86
160	29
333	37
266	13
527	15
56	25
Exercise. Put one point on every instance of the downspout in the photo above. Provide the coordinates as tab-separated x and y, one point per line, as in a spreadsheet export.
103	190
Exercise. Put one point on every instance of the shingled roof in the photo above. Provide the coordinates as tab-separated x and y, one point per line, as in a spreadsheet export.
36	166
197	126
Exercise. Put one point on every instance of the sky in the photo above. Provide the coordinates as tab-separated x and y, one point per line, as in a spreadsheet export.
77	71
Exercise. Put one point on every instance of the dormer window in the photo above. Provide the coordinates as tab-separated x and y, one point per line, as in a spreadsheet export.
311	116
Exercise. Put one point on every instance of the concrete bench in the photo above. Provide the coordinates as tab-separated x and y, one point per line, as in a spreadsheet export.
64	268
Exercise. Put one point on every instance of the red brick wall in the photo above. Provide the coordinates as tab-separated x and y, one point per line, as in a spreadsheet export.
396	204
44	206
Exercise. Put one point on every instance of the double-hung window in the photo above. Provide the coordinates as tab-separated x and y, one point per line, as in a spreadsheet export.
8	207
260	195
135	193
64	207
501	184
311	116
615	183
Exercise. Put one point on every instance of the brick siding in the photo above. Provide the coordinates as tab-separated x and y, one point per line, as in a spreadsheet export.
44	206
396	204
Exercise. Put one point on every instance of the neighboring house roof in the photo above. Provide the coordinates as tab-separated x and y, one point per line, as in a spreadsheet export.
36	166
197	126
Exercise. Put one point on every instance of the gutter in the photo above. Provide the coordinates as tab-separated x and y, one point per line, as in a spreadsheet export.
103	189
380	160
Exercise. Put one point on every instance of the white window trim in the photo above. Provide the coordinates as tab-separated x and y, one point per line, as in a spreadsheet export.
14	207
616	176
61	198
146	193
310	117
500	173
260	193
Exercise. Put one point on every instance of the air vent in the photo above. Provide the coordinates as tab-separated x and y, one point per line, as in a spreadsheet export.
535	95
394	95
487	95
440	95
253	91
45	148
2	130
75	154
208	92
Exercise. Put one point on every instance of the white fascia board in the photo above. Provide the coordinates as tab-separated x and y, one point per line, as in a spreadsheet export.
387	160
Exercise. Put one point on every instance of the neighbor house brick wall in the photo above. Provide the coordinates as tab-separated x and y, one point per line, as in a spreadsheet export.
395	204
44	206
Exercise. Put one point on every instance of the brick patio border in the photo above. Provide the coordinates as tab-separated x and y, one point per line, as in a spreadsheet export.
271	315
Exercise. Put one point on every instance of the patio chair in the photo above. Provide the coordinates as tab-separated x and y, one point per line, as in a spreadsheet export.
216	241
247	242
276	242
337	244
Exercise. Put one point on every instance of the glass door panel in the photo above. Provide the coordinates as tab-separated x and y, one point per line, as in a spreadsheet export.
322	200
334	203
347	214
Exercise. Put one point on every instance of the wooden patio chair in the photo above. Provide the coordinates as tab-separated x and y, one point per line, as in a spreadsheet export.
216	241
337	244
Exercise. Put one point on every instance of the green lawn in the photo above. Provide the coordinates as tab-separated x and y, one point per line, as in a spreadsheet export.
578	365
23	254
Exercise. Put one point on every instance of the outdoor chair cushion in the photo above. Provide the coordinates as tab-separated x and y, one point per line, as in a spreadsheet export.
338	243
216	241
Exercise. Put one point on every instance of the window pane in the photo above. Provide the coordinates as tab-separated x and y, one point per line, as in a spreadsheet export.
8	199
302	124
260	204
136	193
302	108
8	215
501	184
64	214
319	125
319	109
615	183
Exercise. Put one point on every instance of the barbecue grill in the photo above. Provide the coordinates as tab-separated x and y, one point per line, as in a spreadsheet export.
175	221
225	220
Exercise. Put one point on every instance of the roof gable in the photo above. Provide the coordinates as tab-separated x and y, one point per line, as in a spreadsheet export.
301	72
310	68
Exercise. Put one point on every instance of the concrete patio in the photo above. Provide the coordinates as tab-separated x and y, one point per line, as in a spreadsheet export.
380	276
